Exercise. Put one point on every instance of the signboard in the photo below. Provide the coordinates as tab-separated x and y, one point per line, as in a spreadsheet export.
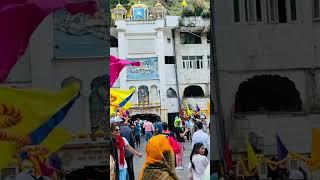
148	70
80	35
139	13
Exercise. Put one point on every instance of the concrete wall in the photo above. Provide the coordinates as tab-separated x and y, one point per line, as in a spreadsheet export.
262	48
287	126
190	76
48	73
244	46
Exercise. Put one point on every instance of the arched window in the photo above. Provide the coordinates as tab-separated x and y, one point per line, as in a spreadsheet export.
143	94
154	93
267	93
193	91
134	97
69	80
98	100
171	93
113	41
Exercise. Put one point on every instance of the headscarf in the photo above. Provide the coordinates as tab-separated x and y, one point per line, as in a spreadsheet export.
120	146
159	161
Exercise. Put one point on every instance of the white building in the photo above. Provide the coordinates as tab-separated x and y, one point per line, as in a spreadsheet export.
41	67
178	51
268	64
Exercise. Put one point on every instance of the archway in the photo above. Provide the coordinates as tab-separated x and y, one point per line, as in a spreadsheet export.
151	117
98	100
92	172
153	94
267	93
171	93
134	98
193	91
143	94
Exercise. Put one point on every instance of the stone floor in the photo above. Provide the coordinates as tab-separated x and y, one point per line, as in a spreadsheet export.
138	162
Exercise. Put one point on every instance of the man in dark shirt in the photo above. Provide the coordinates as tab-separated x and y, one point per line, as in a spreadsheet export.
127	133
179	135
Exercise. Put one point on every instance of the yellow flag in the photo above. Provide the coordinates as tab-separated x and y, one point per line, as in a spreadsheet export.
189	112
120	98
208	108
56	139
315	154
252	157
184	3
23	110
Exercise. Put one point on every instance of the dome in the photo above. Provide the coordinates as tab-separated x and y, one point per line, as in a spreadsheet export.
159	11
119	6
139	5
139	11
119	12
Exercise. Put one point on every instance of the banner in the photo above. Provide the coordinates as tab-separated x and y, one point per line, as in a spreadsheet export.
80	35
147	70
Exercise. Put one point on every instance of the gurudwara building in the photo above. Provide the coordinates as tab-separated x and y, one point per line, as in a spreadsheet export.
175	57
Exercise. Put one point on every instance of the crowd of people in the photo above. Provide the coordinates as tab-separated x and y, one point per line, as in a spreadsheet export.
164	150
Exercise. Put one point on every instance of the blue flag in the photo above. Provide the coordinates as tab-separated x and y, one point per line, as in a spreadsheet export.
282	150
198	109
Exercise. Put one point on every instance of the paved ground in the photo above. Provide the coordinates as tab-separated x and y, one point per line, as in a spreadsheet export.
138	162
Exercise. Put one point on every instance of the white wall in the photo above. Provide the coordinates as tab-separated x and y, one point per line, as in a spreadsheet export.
191	76
21	72
243	46
48	74
287	126
168	46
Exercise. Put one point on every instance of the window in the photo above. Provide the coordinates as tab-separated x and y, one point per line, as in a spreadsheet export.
192	62
258	8
113	41
236	11
171	93
253	10
271	10
293	7
208	37
169	60
208	59
249	10
282	11
316	10
190	38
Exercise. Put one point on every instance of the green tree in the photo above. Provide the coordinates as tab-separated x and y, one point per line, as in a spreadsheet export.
187	12
198	6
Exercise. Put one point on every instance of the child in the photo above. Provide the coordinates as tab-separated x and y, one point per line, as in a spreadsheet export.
198	162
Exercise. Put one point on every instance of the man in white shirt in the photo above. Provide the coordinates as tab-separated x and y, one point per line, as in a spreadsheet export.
205	123
201	137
